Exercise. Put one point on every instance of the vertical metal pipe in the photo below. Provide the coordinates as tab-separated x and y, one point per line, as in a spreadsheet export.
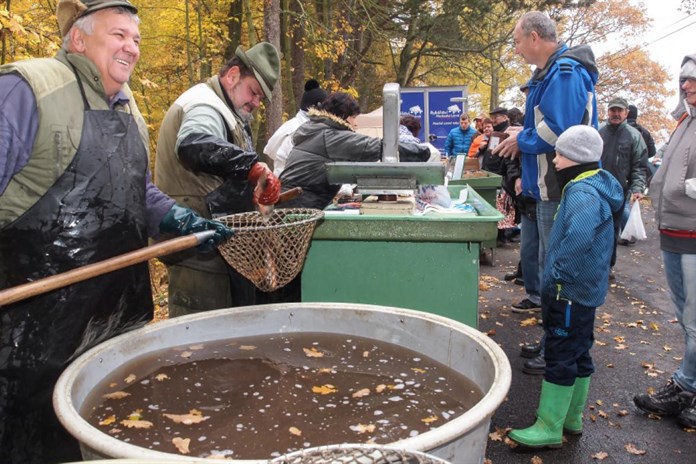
390	123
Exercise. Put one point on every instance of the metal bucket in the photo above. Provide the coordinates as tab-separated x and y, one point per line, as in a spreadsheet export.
461	348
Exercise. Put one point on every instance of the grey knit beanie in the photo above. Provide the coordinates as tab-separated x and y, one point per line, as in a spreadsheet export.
581	144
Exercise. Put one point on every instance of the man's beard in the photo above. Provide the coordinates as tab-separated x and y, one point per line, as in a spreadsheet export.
243	114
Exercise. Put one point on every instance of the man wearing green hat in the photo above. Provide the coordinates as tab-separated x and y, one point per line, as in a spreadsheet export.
74	190
206	161
623	153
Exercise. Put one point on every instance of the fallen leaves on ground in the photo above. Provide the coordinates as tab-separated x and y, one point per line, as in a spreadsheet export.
536	460
601	456
631	448
532	321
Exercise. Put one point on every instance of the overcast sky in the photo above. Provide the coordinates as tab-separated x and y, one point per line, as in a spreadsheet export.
670	38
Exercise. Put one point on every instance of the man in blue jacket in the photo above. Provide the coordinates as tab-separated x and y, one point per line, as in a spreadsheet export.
561	95
459	139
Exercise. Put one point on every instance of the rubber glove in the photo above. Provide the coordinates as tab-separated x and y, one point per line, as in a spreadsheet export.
267	191
183	221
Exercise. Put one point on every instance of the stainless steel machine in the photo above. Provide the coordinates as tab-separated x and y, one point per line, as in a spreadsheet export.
390	177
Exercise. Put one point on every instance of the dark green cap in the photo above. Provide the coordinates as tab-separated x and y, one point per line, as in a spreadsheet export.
264	61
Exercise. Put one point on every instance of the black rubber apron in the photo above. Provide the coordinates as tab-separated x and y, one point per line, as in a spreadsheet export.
94	211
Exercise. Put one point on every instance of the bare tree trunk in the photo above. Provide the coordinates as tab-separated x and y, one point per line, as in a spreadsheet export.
297	38
274	108
189	58
4	33
234	28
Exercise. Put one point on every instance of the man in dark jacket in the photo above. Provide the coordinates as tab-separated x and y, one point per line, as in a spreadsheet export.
624	149
647	137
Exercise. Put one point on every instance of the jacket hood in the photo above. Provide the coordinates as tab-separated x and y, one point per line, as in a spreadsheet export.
328	118
606	185
632	113
583	54
682	106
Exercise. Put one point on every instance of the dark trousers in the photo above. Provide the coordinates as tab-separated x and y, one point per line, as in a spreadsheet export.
569	336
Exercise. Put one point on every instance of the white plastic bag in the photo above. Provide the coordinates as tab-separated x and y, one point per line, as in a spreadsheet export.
634	226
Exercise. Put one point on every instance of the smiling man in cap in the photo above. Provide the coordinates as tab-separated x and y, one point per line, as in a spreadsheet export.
74	190
206	160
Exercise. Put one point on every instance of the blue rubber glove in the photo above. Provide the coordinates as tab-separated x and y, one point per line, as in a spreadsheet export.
183	221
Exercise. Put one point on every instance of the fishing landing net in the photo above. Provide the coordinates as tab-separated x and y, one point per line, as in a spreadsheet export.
269	250
357	454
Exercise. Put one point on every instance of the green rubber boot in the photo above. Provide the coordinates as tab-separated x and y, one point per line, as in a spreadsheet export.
547	431
573	421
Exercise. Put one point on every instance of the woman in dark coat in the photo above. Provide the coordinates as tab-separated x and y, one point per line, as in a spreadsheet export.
329	137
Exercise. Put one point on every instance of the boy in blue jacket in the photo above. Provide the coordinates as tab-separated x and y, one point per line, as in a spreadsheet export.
575	282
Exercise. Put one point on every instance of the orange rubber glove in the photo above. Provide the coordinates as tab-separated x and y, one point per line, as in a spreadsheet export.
267	190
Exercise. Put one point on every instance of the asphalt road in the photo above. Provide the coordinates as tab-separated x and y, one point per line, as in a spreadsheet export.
638	344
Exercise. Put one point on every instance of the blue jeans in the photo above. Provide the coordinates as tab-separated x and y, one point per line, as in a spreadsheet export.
529	257
680	270
546	211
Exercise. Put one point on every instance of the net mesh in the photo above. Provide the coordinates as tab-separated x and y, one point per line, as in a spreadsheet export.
269	250
357	454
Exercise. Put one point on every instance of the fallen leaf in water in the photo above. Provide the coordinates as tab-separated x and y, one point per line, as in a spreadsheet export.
182	444
631	448
196	347
324	389
186	354
193	417
117	395
136	415
361	428
112	384
326	370
108	421
380	388
136	424
247	347
295	431
361	393
601	456
418	370
313	353
366	354
114	431
162	377
130	378
429	420
532	321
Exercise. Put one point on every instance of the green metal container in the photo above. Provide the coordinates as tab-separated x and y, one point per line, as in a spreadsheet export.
487	186
429	263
